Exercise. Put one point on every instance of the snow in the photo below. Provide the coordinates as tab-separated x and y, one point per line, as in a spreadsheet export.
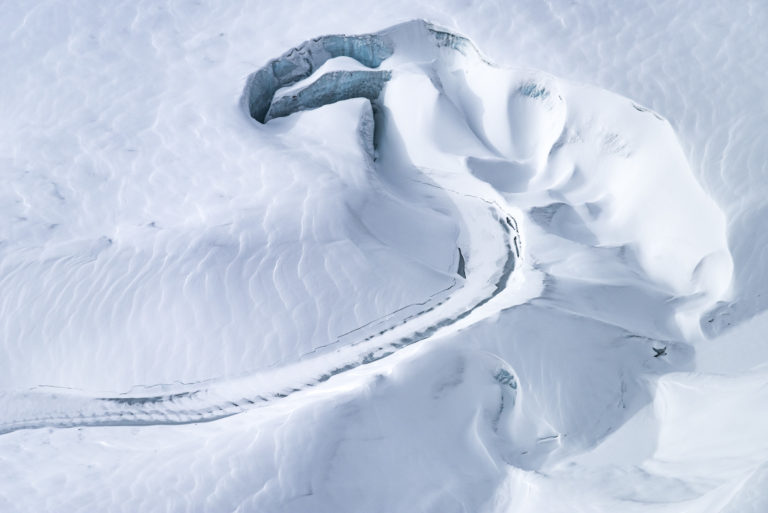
506	260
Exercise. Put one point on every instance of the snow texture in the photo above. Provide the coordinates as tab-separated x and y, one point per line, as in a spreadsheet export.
385	271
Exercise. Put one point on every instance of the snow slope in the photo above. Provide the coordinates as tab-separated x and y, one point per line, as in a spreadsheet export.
426	283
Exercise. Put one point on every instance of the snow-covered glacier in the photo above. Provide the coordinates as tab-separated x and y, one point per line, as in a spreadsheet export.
417	268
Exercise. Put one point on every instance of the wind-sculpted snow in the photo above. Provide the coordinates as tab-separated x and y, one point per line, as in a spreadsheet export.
216	400
398	268
443	309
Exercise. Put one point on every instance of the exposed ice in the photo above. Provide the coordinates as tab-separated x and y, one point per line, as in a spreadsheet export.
330	88
300	62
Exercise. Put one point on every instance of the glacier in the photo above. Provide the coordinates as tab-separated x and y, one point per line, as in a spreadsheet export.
380	272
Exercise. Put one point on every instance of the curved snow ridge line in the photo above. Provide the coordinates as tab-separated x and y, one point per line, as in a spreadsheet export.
76	411
219	399
229	397
379	326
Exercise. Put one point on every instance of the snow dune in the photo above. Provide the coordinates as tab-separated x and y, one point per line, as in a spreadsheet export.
395	277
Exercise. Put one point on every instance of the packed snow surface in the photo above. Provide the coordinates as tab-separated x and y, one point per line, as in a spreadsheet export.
419	268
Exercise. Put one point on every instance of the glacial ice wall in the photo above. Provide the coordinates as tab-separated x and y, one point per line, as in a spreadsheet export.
300	62
416	38
331	88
